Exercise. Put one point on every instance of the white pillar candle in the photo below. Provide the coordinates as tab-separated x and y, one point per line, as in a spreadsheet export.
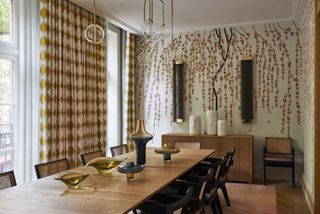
195	124
211	122
222	129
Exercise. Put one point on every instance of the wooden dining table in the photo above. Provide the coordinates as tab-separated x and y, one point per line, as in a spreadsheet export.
99	193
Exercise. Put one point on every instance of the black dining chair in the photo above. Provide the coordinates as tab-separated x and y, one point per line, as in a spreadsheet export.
226	163
167	204
86	157
119	150
52	167
7	179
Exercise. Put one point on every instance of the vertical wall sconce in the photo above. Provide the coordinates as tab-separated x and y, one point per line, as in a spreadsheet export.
247	89
178	93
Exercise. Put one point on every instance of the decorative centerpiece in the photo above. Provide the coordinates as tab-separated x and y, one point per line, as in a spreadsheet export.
167	150
130	169
72	179
104	165
140	138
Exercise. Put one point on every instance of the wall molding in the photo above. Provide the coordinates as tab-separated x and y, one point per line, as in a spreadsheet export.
307	196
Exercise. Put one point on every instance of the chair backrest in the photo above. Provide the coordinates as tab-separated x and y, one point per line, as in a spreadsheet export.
52	167
7	179
119	150
85	158
229	159
279	145
181	204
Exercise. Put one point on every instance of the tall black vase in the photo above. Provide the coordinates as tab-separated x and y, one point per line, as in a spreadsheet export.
140	138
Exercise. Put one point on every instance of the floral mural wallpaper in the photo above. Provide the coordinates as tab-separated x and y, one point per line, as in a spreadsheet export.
278	58
307	95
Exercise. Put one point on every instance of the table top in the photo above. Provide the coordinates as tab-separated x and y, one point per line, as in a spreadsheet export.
108	193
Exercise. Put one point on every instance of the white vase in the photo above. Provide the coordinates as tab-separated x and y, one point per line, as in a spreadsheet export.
195	124
222	128
211	122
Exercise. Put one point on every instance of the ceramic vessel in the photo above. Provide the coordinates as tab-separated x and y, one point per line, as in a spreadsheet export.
140	138
211	122
195	124
222	128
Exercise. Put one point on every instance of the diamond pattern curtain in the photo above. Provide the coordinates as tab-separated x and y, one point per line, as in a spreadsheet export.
131	56
73	98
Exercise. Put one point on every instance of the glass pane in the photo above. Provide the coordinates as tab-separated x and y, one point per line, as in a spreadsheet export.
6	20
6	82
6	115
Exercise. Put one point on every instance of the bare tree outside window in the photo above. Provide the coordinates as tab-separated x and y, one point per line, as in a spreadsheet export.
6	20
6	115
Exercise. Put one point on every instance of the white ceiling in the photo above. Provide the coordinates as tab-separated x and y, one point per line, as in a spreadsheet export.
198	14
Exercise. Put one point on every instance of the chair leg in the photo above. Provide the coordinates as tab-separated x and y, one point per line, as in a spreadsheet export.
264	174
293	177
214	207
225	194
218	204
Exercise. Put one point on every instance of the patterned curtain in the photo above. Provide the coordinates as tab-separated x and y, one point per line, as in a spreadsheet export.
131	56
73	84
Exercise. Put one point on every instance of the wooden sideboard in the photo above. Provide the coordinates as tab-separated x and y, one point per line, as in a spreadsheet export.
242	169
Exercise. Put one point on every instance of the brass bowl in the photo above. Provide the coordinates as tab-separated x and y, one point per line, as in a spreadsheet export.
167	150
72	179
104	165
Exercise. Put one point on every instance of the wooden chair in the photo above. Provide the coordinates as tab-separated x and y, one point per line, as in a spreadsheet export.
278	152
199	180
119	150
226	162
167	204
7	179
52	167
85	158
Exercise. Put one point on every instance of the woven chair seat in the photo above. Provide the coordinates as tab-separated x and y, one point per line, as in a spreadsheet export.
278	157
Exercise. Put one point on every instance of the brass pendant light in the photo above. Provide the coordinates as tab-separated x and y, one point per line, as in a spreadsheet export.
94	33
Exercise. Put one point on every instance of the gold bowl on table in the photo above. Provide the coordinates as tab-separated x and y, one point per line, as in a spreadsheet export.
72	179
104	165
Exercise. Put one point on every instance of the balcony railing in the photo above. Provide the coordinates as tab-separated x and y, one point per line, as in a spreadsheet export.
6	152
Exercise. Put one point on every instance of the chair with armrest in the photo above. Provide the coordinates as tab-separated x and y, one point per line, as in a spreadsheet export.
167	204
226	163
86	157
119	150
52	167
7	179
278	152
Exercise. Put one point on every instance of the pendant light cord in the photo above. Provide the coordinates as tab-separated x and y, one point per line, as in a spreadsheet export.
94	22
171	24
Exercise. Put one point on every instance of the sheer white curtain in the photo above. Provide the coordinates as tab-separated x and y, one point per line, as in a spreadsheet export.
27	91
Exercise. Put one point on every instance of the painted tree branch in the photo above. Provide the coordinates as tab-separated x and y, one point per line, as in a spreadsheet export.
225	53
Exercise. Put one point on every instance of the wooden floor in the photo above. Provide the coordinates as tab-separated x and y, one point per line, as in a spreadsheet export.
290	200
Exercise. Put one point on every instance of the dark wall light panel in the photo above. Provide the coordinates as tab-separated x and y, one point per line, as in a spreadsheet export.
247	89
178	94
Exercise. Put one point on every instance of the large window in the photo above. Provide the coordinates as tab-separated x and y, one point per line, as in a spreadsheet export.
113	91
6	20
116	67
8	59
6	114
